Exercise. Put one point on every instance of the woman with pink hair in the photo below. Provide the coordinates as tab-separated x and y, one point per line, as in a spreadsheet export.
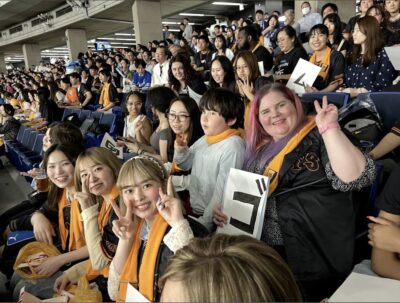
313	168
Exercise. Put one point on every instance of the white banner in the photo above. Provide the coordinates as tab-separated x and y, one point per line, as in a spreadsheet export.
244	202
109	143
304	74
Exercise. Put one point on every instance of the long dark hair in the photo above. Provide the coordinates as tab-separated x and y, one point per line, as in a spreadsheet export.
337	34
71	151
195	130
188	71
369	26
227	66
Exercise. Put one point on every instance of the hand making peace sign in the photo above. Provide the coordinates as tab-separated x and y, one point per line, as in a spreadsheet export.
123	228
168	206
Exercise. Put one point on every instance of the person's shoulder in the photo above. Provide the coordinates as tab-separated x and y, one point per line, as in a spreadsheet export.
235	140
335	55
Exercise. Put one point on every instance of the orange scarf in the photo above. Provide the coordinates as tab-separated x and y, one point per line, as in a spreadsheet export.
76	234
274	167
72	95
105	95
102	221
222	136
324	63
147	268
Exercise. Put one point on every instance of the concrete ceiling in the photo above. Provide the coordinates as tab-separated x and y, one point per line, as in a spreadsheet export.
18	11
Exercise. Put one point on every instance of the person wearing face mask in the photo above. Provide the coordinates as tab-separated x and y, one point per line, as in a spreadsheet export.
308	20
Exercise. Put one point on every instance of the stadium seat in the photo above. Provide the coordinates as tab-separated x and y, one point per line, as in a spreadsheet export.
85	114
337	98
67	112
388	106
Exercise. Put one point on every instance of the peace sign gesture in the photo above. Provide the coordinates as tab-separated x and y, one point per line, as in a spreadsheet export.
84	197
168	206
326	114
123	228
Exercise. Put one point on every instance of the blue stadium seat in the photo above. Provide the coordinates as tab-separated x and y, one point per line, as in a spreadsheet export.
108	122
97	115
85	114
67	112
388	106
338	98
28	160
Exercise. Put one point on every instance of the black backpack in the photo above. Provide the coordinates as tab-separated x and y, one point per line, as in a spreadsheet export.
362	121
74	119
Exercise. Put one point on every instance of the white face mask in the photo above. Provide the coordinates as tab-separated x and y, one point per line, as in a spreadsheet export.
305	10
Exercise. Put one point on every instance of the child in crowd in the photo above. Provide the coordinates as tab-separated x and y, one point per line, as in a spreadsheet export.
211	157
152	228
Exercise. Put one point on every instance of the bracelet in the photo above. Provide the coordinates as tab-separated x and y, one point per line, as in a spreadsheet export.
323	128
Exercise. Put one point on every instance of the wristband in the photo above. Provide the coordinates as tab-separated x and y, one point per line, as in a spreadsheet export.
323	128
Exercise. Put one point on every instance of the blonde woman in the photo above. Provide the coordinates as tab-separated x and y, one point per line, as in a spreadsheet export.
207	270
96	175
150	230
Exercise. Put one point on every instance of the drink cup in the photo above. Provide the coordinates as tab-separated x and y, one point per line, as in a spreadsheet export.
42	182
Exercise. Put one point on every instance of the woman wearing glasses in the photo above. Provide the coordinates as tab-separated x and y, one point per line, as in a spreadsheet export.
184	119
183	79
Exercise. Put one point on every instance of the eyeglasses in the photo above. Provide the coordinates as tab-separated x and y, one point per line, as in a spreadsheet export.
181	118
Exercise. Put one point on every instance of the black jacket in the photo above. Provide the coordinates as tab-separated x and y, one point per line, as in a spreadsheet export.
317	221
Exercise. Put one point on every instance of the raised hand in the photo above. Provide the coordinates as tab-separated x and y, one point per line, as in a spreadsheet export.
123	228
168	206
219	217
326	114
84	198
42	228
384	234
139	124
180	144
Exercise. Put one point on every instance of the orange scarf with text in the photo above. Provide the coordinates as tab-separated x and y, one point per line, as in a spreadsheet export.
324	63
105	95
275	165
75	232
102	221
222	136
145	281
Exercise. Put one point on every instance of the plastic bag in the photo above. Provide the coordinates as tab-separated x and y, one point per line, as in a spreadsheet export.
84	293
32	255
